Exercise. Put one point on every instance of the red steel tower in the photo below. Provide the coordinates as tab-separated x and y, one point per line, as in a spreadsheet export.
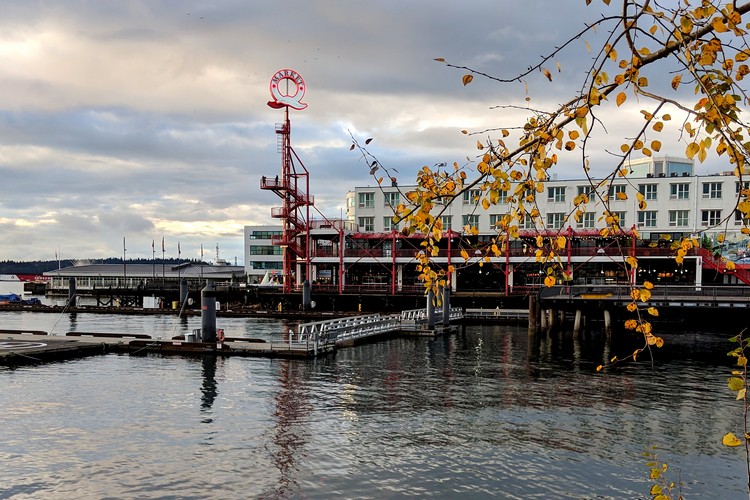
293	186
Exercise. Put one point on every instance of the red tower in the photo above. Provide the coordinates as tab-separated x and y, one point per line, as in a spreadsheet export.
293	186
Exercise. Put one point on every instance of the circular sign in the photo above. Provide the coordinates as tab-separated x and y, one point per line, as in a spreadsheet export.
287	89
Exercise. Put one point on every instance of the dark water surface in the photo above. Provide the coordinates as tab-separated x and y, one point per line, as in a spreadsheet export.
477	414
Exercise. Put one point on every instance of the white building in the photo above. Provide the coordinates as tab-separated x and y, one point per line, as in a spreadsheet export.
370	254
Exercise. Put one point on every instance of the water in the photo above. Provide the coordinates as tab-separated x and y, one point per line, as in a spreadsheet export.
477	414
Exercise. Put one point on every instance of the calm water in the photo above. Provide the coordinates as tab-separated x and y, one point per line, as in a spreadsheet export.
476	414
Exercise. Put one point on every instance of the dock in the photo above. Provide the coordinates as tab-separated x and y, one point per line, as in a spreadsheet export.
311	340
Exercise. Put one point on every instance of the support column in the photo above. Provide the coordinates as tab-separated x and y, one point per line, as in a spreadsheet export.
532	315
607	323
577	324
431	310
446	305
698	272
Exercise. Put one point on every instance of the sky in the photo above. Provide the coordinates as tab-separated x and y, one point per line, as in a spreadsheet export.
143	121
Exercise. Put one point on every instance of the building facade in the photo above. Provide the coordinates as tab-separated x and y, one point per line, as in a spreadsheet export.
659	201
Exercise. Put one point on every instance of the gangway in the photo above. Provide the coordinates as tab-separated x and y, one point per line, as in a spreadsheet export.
344	332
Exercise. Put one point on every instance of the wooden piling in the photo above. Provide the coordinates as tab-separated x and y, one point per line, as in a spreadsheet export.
577	324
607	323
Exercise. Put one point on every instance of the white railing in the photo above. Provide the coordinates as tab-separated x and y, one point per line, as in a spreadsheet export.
497	313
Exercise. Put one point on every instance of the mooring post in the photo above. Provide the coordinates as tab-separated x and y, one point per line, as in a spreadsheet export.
208	313
431	309
183	292
306	295
71	291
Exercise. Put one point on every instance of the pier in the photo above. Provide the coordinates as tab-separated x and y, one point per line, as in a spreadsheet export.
319	338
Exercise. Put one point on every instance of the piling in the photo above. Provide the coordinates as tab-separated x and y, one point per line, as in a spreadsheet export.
607	323
446	305
208	313
532	315
71	291
306	295
577	324
431	310
183	291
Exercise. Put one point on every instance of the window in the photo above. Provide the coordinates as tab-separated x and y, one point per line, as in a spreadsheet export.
556	193
647	218
389	225
678	217
712	190
588	191
471	221
616	189
587	220
648	191
555	220
367	224
263	235
739	219
446	220
366	200
710	217
745	185
264	250
471	197
528	222
495	220
391	199
679	191
265	265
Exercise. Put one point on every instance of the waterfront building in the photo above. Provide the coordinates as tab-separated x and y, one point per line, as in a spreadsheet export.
154	276
368	253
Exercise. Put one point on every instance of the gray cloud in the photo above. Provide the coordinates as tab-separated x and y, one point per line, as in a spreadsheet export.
148	119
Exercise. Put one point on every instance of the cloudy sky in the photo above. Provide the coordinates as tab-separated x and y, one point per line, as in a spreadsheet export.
148	119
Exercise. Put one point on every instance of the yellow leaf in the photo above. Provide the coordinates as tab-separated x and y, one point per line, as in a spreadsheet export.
480	146
549	281
467	79
692	149
656	145
653	311
599	368
658	126
620	98
621	196
730	439
741	393
465	254
547	74
624	148
676	81
632	307
648	285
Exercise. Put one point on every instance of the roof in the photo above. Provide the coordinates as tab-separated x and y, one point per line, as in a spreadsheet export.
184	270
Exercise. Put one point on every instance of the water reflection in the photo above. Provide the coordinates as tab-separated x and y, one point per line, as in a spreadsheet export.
291	433
208	389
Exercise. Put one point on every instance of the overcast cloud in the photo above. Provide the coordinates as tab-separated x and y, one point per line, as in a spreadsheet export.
148	119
